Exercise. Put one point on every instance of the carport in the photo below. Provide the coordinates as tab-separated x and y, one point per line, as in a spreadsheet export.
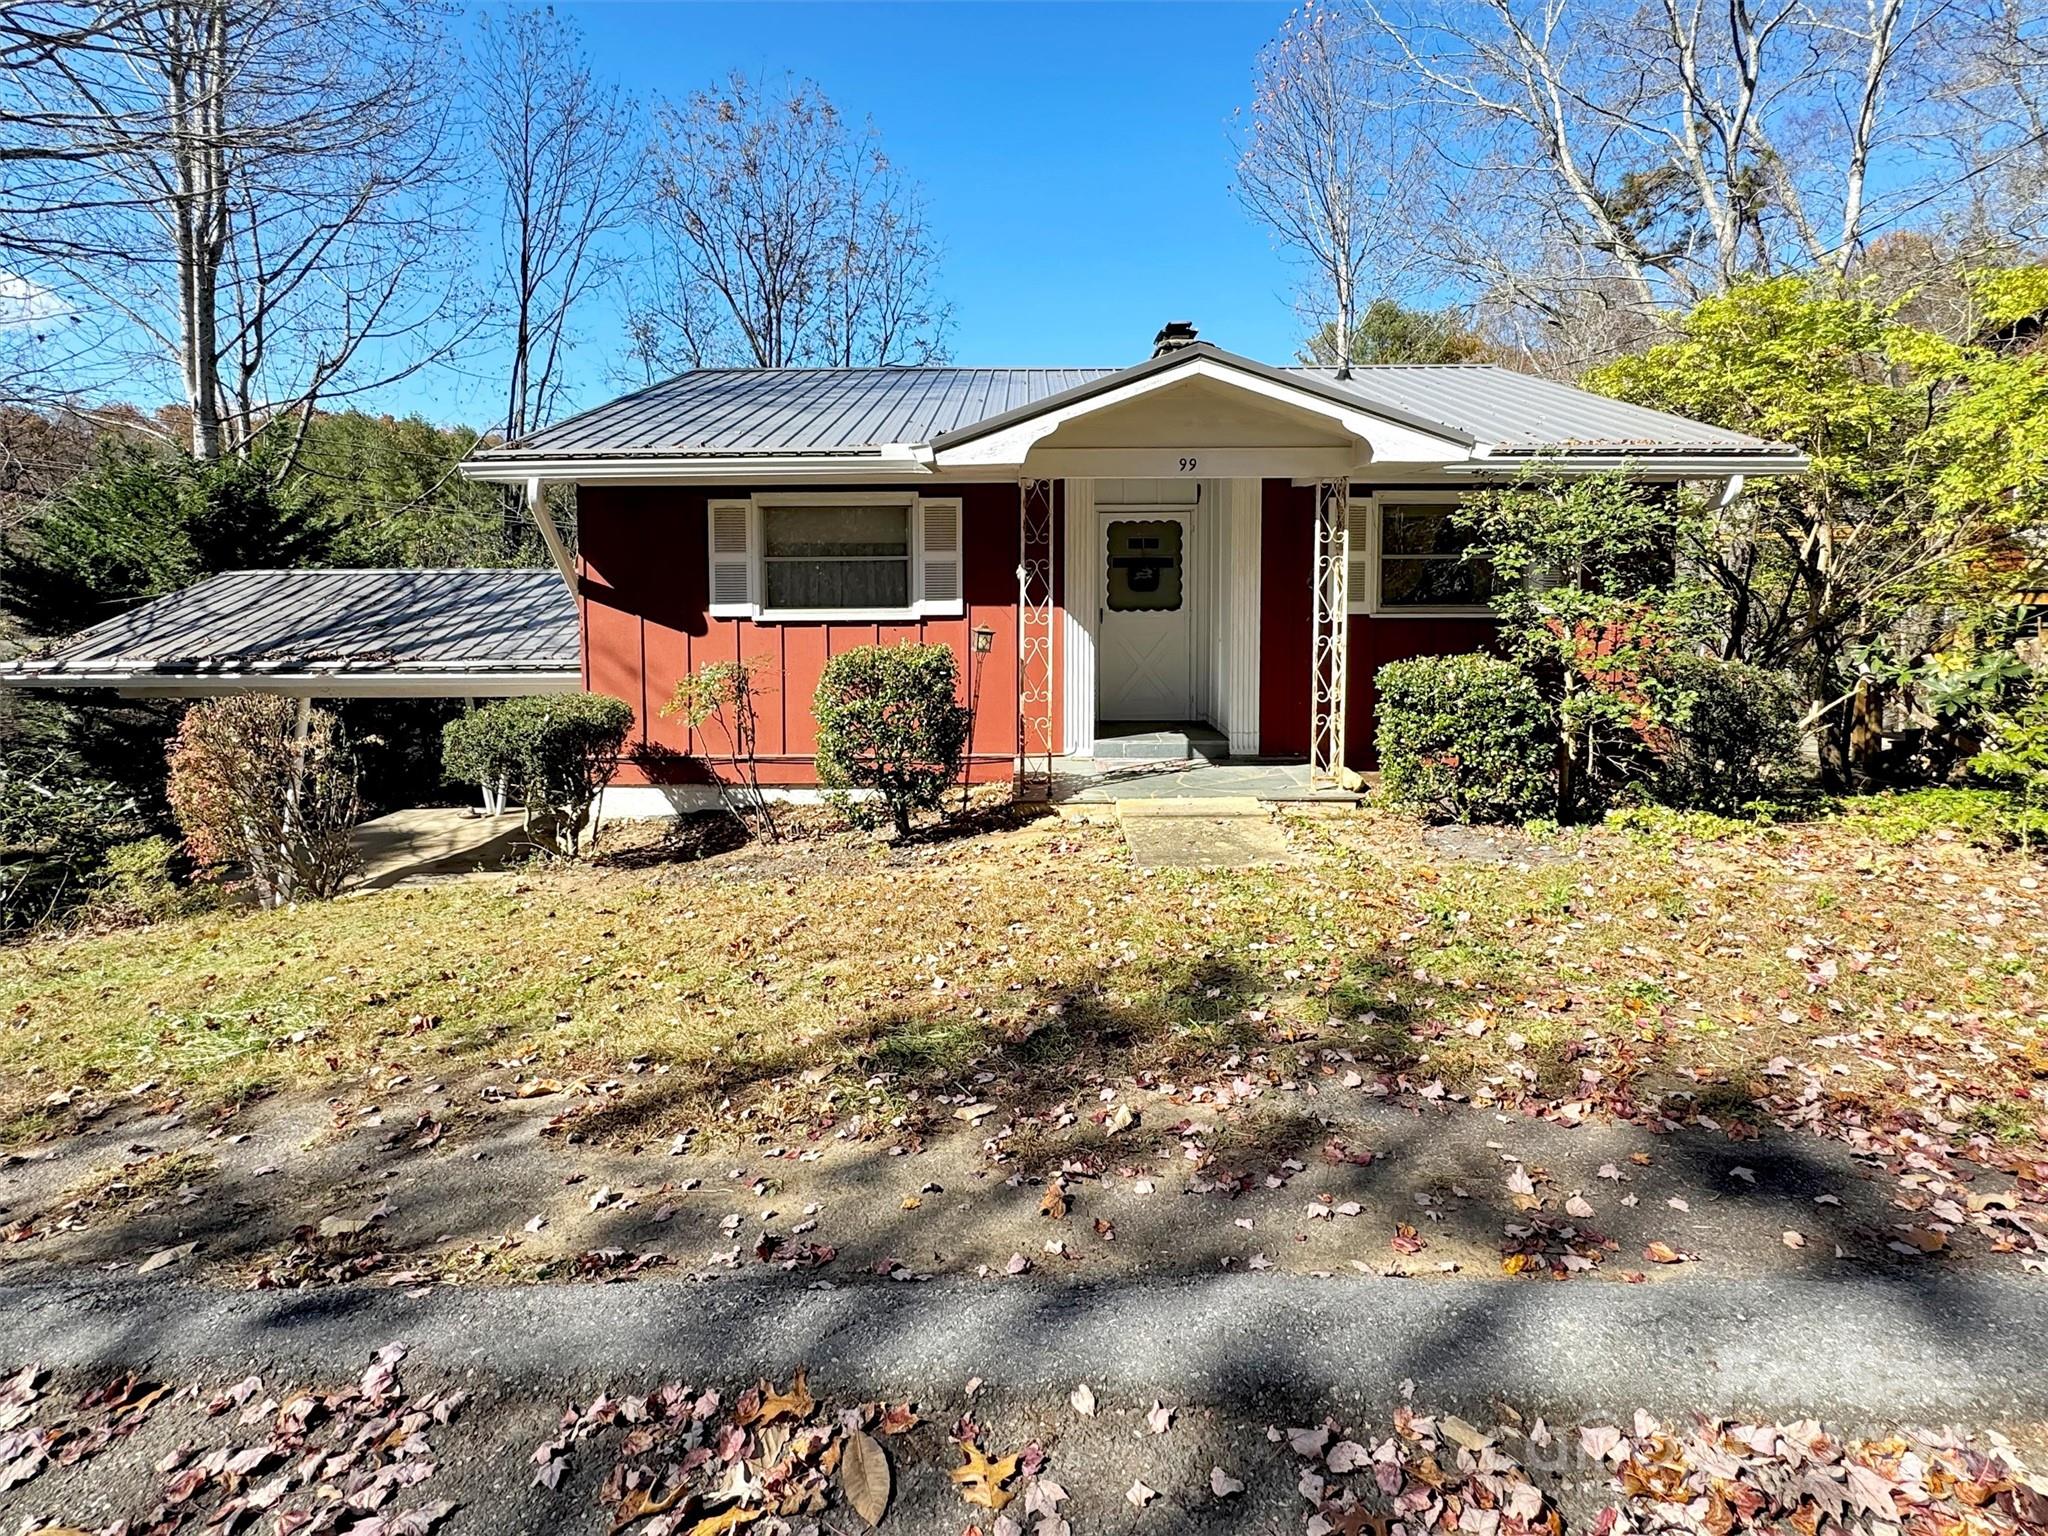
340	634
347	634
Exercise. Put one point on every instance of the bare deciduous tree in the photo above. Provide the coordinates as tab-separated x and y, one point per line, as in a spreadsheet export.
1330	164
565	148
1593	161
251	193
783	235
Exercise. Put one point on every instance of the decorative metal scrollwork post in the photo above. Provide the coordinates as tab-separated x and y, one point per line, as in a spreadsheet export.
1034	639
1329	648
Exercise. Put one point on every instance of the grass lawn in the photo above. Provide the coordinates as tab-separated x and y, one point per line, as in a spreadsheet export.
1601	968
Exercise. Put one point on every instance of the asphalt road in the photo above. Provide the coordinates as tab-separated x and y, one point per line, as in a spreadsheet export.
1853	1350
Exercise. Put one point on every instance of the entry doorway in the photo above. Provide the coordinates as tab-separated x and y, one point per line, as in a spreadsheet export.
1146	630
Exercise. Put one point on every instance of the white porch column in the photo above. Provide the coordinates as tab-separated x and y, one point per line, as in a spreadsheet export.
1083	569
1242	509
1034	639
1329	647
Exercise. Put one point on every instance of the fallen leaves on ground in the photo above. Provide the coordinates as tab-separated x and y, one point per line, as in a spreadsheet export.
685	1463
323	1461
1710	1477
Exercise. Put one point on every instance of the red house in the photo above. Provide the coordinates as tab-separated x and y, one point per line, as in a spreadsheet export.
1199	554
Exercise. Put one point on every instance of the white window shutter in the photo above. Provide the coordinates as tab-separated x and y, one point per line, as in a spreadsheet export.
938	556
732	558
1359	516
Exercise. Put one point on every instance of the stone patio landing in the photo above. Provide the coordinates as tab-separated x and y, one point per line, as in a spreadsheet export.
1224	832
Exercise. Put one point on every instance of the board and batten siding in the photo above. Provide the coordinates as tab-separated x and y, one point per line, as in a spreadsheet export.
644	590
1286	585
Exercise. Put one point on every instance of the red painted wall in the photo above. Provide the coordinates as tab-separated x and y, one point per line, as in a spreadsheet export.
1286	601
645	584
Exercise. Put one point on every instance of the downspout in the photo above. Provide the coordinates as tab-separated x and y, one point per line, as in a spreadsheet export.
537	508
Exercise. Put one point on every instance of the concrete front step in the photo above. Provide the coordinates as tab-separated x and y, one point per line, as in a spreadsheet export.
1145	741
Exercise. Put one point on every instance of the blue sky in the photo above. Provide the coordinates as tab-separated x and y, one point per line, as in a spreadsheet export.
1076	158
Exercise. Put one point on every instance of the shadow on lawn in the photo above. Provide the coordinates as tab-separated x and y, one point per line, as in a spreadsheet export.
888	1122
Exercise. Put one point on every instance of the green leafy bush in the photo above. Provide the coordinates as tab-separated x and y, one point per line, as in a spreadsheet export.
1465	738
556	752
1731	735
56	830
142	882
1994	818
890	722
246	792
2017	753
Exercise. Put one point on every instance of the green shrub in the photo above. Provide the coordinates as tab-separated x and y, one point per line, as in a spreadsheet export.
2017	753
890	723
1732	733
1994	818
56	829
247	793
556	752
1465	738
141	882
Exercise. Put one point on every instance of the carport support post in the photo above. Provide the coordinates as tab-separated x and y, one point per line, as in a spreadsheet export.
1329	646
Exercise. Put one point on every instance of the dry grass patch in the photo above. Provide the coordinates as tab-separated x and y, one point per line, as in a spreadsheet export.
830	978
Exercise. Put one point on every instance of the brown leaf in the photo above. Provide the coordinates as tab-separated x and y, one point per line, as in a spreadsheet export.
725	1522
864	1477
1055	1202
980	1479
640	1502
1663	1253
796	1403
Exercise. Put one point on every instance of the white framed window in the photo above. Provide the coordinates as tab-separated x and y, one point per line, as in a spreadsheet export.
794	556
1408	557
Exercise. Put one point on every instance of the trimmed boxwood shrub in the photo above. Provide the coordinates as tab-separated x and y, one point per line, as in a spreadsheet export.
890	723
1733	732
1465	738
556	752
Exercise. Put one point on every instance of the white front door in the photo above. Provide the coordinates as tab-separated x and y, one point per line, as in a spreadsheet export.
1145	642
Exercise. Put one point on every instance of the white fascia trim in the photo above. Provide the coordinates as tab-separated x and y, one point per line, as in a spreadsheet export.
1385	439
1648	466
891	464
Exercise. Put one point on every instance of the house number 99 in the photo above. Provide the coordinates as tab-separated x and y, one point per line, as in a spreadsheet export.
1187	466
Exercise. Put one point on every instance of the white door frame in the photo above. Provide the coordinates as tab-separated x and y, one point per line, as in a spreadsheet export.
1226	535
1191	616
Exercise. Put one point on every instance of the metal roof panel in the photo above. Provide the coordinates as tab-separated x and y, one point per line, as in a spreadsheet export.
486	621
743	411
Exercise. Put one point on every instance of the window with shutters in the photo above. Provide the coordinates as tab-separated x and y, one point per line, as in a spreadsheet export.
799	556
1408	556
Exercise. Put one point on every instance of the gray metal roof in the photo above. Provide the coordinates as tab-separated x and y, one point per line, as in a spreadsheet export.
501	625
1518	411
798	410
718	412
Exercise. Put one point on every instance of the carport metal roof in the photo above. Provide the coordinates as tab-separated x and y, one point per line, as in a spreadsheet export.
330	634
